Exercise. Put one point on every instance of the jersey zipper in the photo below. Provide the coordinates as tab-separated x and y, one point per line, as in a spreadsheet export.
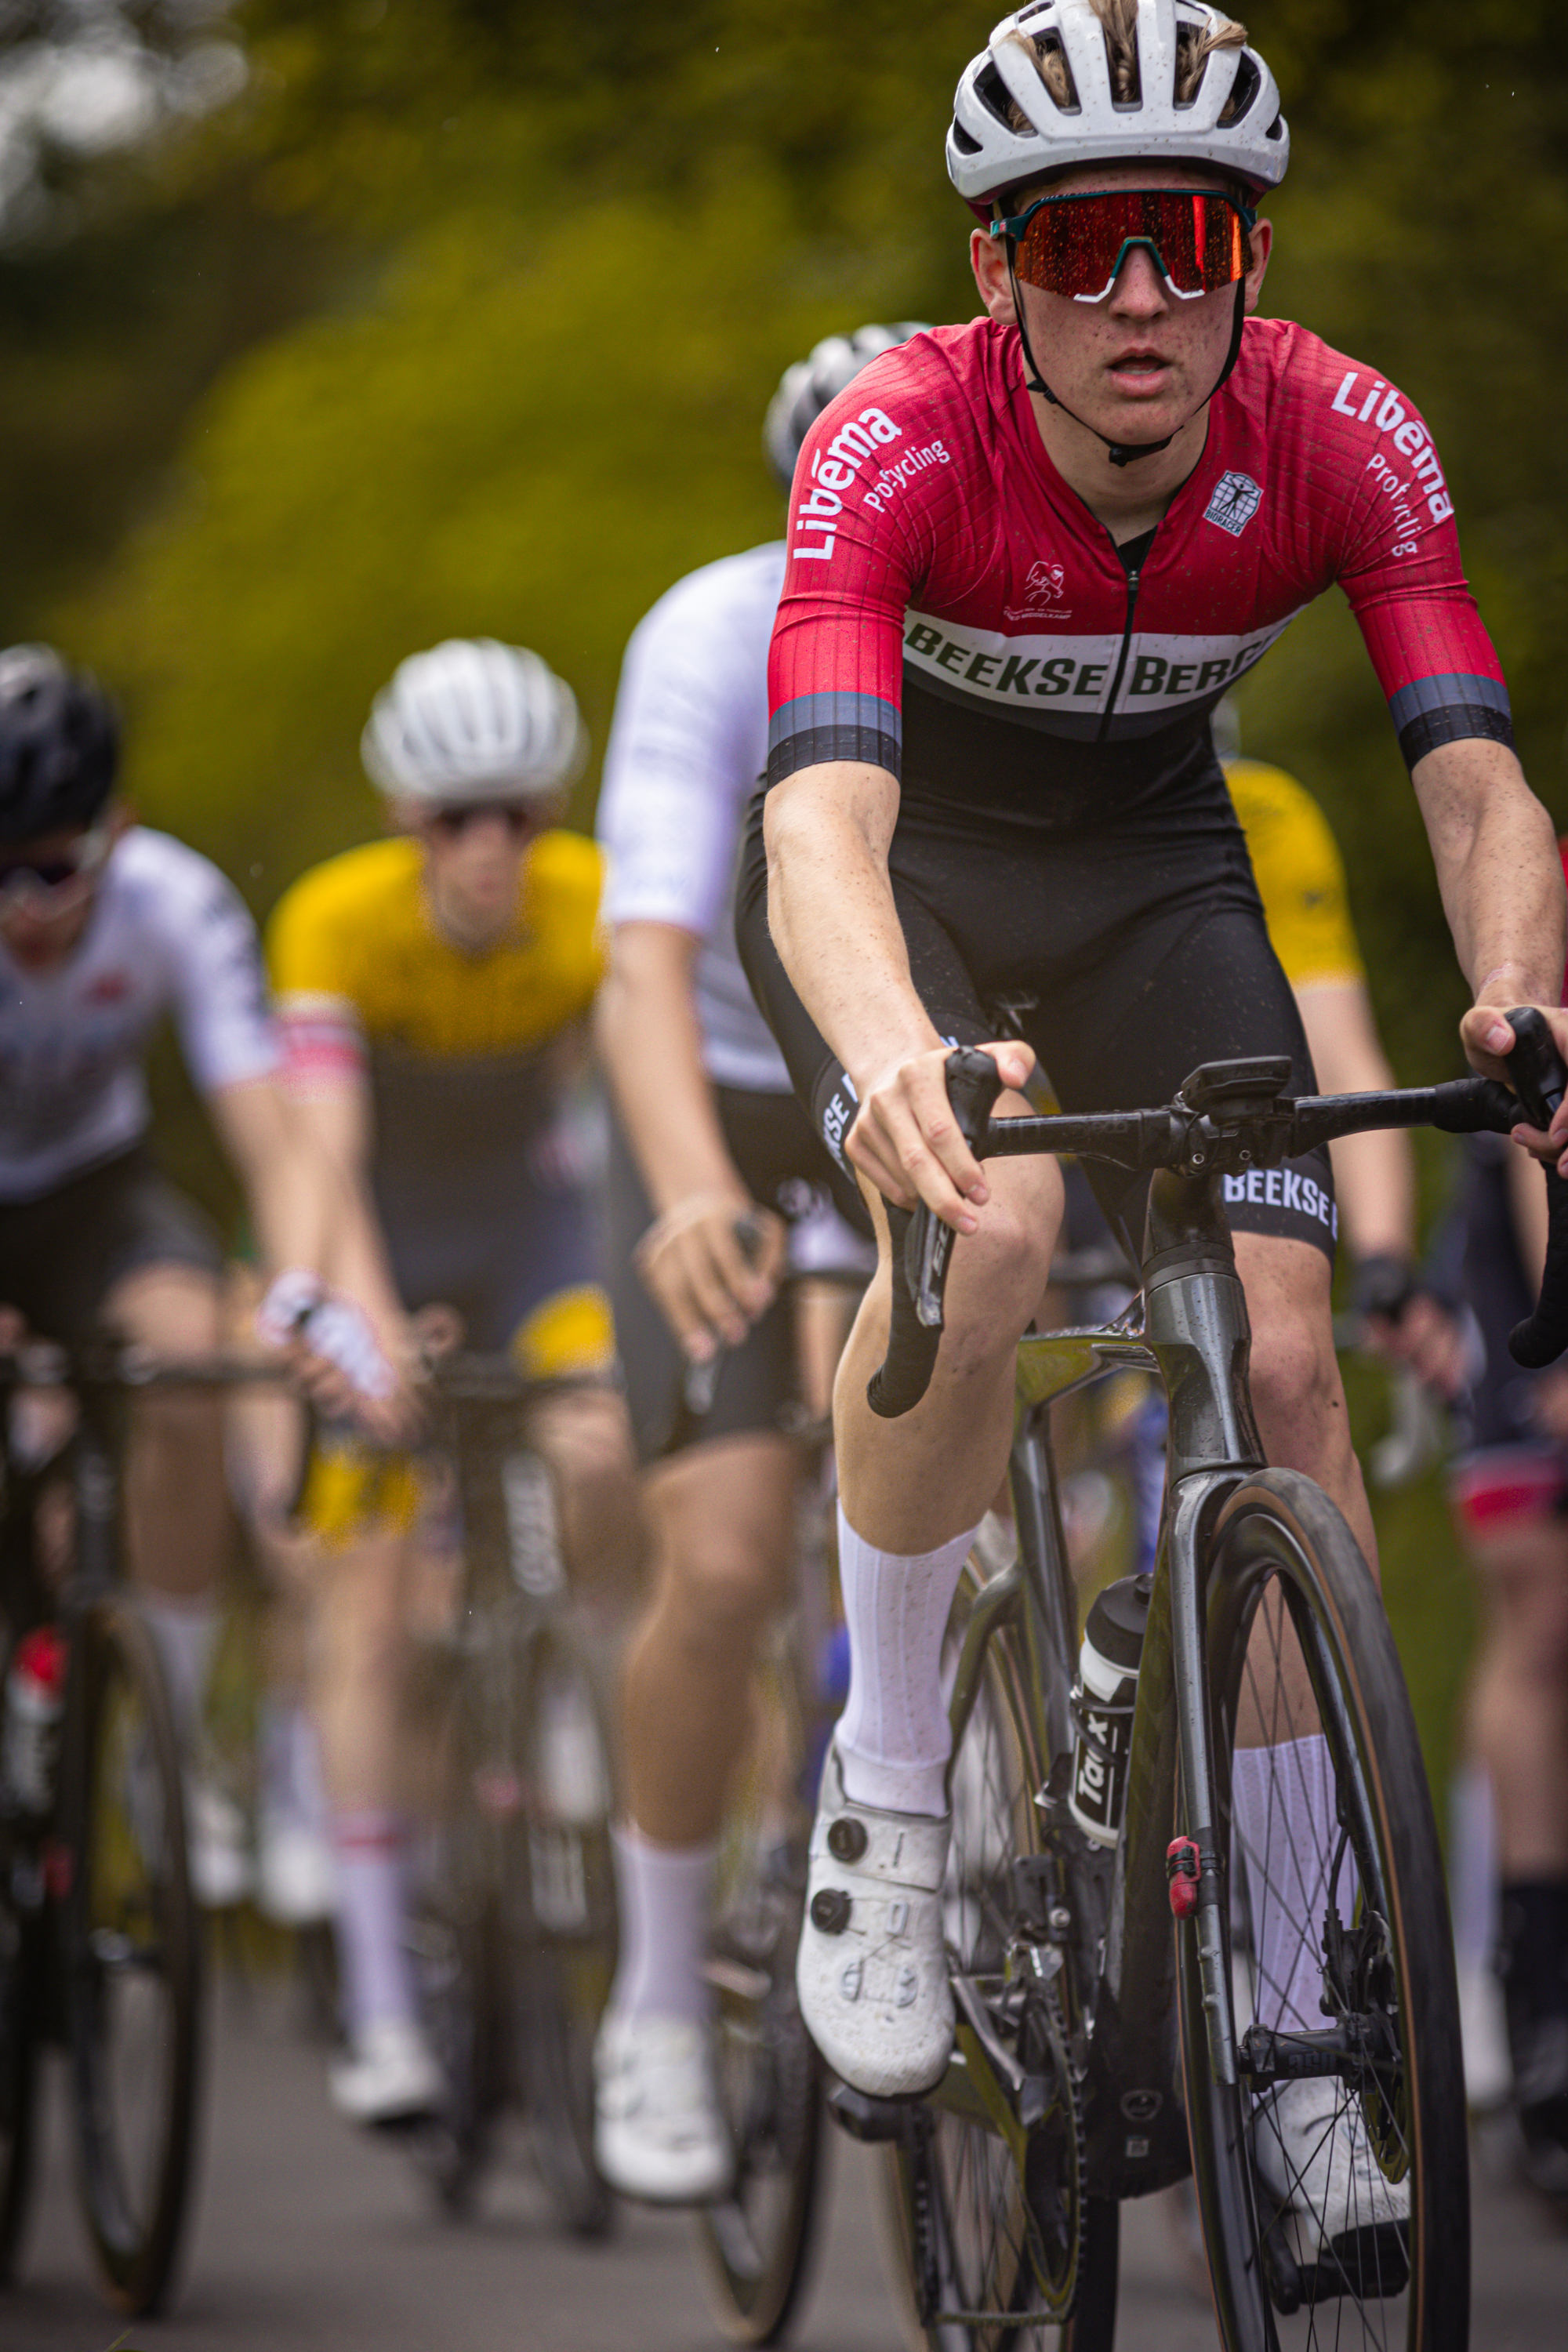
1132	579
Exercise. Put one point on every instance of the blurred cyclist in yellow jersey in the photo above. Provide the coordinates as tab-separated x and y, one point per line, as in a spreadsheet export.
1300	880
434	990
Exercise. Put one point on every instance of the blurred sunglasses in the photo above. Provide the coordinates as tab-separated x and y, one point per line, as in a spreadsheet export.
40	885
520	817
1077	244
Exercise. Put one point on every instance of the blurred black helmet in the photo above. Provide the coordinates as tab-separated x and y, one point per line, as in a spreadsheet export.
805	389
60	745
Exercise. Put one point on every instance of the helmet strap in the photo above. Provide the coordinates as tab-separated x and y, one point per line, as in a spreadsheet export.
1120	453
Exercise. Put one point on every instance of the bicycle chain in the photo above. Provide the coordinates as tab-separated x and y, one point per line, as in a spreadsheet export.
1057	2035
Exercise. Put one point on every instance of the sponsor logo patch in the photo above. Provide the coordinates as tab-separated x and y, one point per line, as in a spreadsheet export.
1043	593
833	471
1236	498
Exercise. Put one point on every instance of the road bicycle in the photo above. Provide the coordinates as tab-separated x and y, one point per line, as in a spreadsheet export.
1114	2029
513	1923
100	1944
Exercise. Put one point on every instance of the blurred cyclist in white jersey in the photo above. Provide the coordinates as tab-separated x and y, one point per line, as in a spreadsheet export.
107	928
715	1194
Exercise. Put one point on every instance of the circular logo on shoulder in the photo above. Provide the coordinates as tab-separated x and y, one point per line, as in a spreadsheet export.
1141	2107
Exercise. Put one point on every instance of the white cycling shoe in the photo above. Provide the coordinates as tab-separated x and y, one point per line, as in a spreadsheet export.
388	2076
1311	2151
658	2134
872	1971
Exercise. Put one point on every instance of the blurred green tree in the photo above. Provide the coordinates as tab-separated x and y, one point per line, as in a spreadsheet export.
554	257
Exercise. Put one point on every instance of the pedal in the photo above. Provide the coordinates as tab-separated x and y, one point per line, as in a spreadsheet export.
874	2121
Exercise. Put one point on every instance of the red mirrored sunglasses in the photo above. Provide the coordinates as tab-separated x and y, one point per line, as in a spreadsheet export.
1076	244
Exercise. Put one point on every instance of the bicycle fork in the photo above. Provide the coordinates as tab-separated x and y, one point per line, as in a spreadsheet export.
1197	1327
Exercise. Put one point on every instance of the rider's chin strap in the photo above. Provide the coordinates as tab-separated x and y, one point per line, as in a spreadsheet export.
1120	453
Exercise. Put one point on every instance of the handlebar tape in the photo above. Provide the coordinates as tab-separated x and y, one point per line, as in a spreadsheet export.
1540	1081
920	1263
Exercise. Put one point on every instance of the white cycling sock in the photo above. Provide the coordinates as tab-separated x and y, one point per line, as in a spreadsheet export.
291	1764
893	1736
185	1631
664	1893
1287	1833
377	1981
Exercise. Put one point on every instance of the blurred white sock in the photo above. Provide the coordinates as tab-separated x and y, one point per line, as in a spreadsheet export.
664	1892
1288	1828
377	1981
185	1631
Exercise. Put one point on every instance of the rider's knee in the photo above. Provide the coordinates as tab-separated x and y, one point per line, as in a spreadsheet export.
1000	1273
727	1584
1297	1392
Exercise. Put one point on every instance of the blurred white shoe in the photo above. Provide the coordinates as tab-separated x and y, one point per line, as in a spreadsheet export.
295	1876
658	2132
1312	2151
216	1845
388	2075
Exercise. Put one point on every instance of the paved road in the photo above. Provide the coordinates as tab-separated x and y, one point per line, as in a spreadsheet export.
313	2239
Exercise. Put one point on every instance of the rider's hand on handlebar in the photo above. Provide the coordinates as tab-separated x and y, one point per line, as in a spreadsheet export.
712	1264
907	1141
1488	1041
1428	1341
348	1370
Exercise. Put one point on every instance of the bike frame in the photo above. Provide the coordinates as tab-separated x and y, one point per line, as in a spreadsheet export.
1122	1954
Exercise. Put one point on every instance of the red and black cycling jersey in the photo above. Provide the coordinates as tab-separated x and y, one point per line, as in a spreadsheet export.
953	613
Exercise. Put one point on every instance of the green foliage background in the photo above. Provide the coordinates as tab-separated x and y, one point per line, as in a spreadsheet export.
463	318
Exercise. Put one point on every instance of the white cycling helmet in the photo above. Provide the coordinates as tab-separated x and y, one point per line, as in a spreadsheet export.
473	720
987	155
807	388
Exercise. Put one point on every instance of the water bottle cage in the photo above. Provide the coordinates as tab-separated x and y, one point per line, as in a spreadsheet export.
1124	1711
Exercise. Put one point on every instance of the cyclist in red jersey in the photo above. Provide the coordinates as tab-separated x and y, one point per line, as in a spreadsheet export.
1027	557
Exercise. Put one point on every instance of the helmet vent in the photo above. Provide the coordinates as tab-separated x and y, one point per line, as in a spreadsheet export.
963	141
1056	75
1275	129
996	98
1244	89
1125	68
1049	59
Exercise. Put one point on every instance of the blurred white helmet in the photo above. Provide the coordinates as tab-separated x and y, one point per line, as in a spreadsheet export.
473	720
1231	119
807	388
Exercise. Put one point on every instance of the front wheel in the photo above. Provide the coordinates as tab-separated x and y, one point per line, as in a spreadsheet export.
1333	2178
131	1958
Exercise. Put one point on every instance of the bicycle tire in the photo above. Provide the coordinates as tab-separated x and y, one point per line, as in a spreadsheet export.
755	2245
955	2195
19	2027
455	1975
454	1934
1279	1535
564	1934
132	1960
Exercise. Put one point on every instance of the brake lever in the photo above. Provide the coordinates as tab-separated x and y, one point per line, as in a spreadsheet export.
973	1083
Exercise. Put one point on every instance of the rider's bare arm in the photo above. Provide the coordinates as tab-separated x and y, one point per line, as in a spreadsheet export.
836	929
285	1184
1501	879
651	1045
